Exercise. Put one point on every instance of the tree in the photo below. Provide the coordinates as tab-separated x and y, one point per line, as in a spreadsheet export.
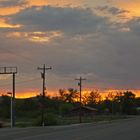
126	102
85	98
68	95
71	95
94	98
109	102
5	106
62	93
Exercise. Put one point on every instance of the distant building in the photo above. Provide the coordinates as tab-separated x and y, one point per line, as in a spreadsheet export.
85	111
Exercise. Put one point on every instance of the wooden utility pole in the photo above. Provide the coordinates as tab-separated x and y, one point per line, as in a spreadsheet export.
80	86
43	74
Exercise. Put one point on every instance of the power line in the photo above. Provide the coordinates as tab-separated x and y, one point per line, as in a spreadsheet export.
22	82
27	59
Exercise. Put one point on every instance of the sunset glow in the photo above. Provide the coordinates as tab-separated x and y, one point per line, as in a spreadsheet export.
23	95
55	93
32	93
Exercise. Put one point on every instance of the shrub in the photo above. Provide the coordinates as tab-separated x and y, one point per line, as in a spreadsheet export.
49	119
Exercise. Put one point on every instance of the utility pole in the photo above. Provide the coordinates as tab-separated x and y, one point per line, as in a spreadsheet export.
80	86
13	71
43	74
11	110
121	104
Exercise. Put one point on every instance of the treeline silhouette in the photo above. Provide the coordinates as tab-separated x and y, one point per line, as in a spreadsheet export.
123	103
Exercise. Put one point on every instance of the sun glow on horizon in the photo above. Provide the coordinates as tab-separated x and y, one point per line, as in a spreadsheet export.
24	95
54	93
32	93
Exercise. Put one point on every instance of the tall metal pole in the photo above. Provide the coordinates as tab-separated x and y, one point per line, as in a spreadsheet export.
11	108
13	102
43	91
12	71
112	108
80	86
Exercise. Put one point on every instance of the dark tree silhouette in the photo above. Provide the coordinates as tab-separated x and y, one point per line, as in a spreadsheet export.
94	98
68	95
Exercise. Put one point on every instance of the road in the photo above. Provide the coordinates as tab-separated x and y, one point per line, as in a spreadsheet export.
118	130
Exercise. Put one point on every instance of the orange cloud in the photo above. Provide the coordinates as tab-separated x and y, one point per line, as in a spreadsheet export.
29	3
3	24
9	10
39	37
129	5
132	6
36	2
55	2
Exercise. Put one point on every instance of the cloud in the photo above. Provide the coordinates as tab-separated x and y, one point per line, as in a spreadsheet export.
91	45
68	20
112	10
134	25
11	3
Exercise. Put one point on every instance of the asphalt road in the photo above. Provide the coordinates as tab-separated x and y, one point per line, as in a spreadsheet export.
118	130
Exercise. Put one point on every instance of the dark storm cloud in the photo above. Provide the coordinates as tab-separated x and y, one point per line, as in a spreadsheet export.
68	20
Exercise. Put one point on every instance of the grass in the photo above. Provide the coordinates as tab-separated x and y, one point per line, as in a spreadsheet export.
28	122
93	119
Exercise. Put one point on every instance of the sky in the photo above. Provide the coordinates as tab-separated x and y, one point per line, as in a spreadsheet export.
96	39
